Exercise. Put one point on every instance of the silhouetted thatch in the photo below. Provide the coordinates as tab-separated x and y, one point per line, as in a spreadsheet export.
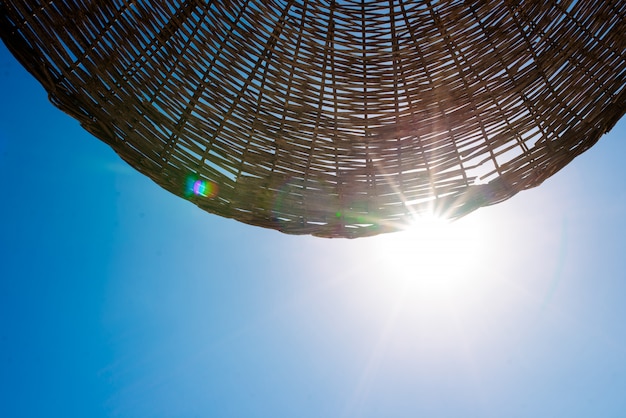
334	118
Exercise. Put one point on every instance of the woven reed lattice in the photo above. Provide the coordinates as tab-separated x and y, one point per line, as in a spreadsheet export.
335	118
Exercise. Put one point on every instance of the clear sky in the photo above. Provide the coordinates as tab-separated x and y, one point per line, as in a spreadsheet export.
118	299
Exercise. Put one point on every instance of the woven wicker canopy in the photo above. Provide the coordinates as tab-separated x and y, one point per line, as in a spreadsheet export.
337	118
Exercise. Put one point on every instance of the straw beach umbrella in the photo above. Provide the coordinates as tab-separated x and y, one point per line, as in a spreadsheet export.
341	118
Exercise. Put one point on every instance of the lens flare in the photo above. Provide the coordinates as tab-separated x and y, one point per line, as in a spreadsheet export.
198	187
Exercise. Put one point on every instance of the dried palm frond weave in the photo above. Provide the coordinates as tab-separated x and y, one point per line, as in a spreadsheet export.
335	118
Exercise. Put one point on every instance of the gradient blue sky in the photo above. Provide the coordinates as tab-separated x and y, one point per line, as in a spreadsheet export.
118	299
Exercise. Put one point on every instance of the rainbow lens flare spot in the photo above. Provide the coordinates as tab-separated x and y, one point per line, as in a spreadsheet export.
195	186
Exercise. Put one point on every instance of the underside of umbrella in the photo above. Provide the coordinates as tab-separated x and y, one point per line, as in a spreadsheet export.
340	118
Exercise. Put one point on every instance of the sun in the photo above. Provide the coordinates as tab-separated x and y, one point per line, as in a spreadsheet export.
433	255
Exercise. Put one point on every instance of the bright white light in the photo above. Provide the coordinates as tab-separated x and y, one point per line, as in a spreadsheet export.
433	256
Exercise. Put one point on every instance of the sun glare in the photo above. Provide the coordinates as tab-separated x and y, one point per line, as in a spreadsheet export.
433	256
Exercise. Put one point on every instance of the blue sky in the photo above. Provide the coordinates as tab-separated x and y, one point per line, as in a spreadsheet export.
118	299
